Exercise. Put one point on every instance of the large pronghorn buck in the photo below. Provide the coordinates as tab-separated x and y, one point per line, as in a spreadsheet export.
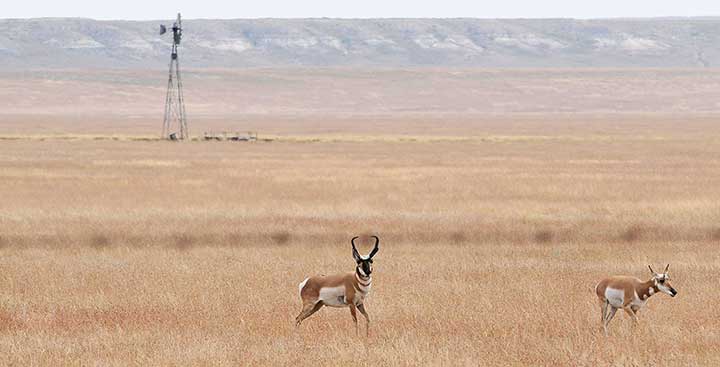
340	290
630	294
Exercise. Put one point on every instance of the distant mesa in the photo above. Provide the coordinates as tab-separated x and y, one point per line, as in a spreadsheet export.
85	43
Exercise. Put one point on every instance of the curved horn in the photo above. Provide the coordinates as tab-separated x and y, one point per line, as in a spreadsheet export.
355	253
652	271
375	249
666	268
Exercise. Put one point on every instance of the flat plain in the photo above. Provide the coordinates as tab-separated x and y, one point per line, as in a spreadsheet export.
116	249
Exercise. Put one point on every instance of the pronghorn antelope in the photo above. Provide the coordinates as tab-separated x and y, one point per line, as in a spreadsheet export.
630	294
341	290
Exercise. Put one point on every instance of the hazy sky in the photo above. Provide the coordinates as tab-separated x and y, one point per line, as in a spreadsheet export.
149	9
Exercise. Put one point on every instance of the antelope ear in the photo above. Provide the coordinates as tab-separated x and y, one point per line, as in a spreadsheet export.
355	253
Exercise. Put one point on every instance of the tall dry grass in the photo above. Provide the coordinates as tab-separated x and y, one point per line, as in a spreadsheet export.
151	253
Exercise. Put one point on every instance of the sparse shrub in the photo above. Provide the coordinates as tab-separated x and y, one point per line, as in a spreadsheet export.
184	241
543	236
632	234
714	235
280	237
233	239
458	237
99	241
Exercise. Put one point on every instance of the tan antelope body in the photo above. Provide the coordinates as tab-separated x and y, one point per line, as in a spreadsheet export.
341	290
629	294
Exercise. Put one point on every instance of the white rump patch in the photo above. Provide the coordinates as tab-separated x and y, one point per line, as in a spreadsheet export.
302	285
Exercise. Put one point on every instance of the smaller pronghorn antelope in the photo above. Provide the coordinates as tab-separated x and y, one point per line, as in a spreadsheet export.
341	290
630	294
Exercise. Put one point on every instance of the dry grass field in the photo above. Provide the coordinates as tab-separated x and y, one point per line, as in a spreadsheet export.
118	250
153	253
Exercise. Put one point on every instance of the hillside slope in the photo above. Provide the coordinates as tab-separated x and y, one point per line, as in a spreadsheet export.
85	43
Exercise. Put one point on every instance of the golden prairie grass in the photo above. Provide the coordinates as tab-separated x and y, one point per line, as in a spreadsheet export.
154	253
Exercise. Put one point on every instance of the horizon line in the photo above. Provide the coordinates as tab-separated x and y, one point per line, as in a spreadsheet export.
668	17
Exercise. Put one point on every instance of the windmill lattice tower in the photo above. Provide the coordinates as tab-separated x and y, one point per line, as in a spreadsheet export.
175	121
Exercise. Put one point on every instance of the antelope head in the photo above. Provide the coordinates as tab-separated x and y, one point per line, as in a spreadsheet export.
364	264
662	281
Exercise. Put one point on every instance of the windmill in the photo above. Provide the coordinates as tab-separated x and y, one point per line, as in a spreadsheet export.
175	121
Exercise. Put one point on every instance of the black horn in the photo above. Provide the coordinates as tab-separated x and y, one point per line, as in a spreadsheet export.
355	253
652	271
375	249
666	268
